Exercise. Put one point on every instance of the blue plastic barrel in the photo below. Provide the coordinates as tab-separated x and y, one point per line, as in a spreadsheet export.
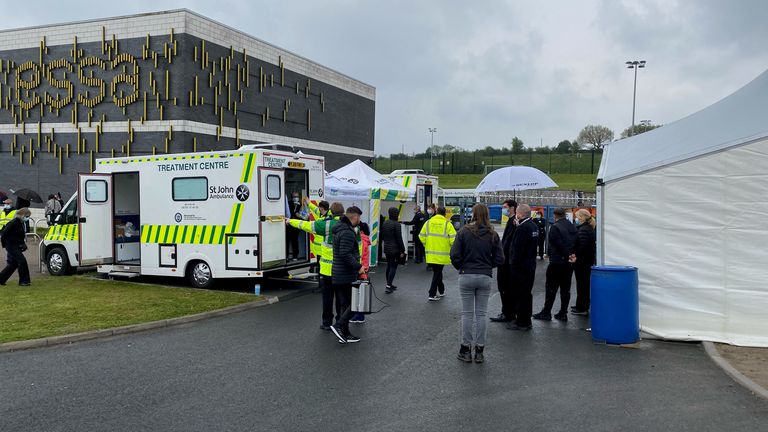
494	211
615	314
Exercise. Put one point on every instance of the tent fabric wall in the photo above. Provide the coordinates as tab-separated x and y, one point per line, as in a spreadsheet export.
696	231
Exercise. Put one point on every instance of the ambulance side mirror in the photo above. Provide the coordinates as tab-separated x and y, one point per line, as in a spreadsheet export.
81	220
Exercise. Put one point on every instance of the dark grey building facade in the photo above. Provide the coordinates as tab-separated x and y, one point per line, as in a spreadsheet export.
167	82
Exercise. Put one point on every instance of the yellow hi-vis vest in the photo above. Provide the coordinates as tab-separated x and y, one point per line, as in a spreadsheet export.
6	217
438	235
323	229
316	245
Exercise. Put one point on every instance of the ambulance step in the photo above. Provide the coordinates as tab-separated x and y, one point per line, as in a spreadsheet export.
123	274
306	275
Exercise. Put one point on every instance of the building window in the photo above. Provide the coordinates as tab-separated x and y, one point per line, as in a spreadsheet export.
190	189
273	187
95	191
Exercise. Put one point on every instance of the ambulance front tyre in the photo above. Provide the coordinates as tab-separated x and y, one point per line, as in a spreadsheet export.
199	274
57	261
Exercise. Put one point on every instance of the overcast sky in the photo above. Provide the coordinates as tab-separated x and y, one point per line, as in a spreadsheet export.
484	72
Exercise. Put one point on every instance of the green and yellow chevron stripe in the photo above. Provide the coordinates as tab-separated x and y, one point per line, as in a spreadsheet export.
248	168
62	233
170	158
194	234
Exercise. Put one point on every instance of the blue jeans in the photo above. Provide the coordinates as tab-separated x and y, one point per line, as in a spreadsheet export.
475	290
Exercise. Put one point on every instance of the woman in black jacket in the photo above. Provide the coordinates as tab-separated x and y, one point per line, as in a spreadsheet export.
13	240
394	249
476	251
583	258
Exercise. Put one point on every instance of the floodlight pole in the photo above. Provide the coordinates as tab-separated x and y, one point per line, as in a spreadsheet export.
431	147
635	64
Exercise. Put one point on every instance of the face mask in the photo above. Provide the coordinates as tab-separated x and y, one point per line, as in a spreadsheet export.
430	211
578	222
7	206
26	218
295	200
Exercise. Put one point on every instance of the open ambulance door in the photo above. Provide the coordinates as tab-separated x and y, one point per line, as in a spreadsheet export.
272	206
94	202
424	196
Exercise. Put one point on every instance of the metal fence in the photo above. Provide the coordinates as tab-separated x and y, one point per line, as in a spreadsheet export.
466	162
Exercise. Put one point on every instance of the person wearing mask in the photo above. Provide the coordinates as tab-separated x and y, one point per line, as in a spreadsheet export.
437	235
504	274
394	249
583	258
365	260
417	223
292	234
431	211
524	244
346	270
541	224
476	251
8	213
323	229
58	198
52	208
13	240
317	212
562	235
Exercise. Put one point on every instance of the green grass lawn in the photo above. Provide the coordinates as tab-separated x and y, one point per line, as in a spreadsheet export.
61	305
581	182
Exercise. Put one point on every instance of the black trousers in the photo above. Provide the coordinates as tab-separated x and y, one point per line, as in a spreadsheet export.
292	236
522	294
541	247
344	293
583	274
391	268
15	260
437	280
418	250
327	292
558	278
504	281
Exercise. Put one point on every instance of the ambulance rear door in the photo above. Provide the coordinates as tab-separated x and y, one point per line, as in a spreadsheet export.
96	241
272	206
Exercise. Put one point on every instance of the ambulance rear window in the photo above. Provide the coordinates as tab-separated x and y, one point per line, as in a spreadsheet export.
190	189
95	191
273	187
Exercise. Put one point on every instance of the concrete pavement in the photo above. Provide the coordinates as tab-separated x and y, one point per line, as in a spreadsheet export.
272	369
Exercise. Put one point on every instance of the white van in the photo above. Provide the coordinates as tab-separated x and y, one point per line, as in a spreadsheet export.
202	216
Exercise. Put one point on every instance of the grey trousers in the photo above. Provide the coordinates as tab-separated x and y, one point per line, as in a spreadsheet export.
475	289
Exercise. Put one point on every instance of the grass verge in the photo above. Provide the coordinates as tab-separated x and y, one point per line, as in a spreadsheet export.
55	306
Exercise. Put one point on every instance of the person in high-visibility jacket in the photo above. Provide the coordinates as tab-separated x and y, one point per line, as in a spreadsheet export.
324	229
317	212
437	235
8	213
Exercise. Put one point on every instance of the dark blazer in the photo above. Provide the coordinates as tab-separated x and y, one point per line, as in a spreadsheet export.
417	222
346	254
525	242
391	236
506	241
562	235
585	246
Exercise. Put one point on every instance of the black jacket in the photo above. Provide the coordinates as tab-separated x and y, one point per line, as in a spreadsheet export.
418	221
506	241
585	246
562	235
477	252
346	254
524	245
13	234
391	236
541	224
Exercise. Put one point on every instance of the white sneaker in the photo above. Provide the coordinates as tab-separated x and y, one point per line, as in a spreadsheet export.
441	295
435	298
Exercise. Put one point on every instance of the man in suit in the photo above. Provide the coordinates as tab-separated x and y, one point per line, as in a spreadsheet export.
504	274
525	242
417	222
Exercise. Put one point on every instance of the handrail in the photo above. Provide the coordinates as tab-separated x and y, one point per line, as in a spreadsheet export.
39	242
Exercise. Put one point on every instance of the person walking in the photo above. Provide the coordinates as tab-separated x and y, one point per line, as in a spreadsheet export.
562	235
394	249
476	251
8	212
437	235
524	244
417	223
346	270
52	208
322	229
583	258
365	260
504	273
13	240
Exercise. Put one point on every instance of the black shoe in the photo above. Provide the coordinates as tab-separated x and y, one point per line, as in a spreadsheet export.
479	357
514	326
500	318
388	290
579	312
325	327
351	338
543	316
339	334
562	316
394	287
465	354
24	284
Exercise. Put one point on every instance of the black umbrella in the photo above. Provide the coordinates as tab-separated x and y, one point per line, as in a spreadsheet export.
29	195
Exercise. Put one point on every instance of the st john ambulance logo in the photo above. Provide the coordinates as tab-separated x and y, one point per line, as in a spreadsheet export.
242	193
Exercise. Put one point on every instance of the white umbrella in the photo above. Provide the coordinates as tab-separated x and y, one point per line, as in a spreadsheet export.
514	178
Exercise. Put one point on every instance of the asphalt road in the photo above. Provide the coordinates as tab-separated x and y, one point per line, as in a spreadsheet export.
273	369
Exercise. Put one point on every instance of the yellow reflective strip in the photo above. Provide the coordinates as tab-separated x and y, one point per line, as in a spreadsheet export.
193	238
163	236
145	230
221	235
212	234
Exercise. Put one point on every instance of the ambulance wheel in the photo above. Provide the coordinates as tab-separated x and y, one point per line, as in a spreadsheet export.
199	275
57	261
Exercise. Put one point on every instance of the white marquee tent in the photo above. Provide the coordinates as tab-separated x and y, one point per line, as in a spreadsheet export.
686	204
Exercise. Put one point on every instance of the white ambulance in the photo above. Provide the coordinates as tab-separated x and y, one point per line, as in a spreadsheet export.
424	189
202	216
